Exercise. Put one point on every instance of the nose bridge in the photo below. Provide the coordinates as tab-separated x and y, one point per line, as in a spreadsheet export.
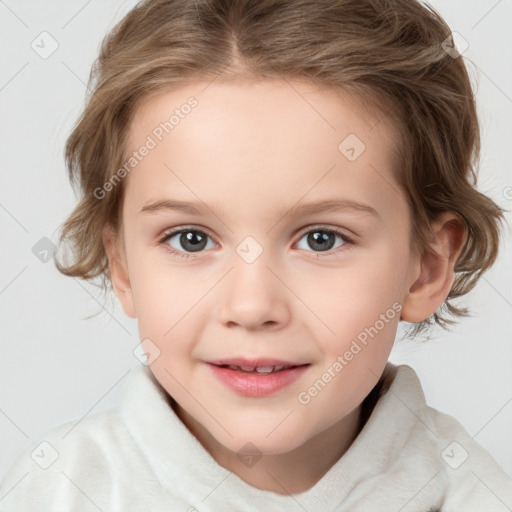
253	296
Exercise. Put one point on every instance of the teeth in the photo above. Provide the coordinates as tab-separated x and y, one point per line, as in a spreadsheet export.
260	369
265	369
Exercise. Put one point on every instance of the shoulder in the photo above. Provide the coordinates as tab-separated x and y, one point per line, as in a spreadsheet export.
471	477
98	462
110	460
72	455
475	481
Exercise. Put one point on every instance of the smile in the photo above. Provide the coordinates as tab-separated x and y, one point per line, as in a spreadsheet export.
257	381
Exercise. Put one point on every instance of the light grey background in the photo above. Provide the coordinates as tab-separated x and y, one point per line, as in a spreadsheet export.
56	366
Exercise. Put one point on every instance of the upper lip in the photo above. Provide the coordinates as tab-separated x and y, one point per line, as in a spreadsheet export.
261	362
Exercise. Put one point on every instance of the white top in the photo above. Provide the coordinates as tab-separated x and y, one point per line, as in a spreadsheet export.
141	457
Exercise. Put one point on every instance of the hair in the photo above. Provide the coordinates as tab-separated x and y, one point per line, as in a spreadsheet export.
389	53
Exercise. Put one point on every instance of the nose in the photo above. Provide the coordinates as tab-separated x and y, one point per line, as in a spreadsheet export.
253	297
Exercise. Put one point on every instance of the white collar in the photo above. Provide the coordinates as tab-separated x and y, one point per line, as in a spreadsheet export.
182	465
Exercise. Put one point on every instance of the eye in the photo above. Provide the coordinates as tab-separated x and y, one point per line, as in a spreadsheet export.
323	239
186	240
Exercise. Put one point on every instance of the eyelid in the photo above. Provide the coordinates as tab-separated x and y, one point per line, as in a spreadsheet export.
325	227
191	227
180	229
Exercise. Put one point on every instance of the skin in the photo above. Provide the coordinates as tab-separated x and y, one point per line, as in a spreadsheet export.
249	152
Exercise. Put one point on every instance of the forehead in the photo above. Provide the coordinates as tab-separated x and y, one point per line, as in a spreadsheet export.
321	111
272	138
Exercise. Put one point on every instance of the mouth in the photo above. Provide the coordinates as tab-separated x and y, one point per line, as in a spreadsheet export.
260	365
257	378
261	370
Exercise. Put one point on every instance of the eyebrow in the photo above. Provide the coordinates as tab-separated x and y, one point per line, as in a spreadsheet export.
198	208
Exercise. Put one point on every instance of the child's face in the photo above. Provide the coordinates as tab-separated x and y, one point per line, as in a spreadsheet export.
246	155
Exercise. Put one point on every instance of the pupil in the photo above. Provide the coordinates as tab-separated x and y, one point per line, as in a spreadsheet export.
321	240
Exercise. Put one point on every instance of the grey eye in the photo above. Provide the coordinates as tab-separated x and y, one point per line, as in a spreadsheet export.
189	240
322	240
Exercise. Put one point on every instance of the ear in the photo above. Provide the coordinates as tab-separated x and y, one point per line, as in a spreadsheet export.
118	271
434	277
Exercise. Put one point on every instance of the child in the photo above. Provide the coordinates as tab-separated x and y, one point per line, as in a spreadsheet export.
270	187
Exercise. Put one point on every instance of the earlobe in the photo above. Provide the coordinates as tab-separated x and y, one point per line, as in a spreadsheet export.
435	272
118	271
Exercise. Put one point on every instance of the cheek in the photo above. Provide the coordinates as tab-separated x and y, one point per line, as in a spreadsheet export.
171	303
352	298
362	310
161	295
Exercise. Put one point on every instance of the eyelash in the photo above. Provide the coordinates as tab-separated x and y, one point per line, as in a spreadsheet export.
348	242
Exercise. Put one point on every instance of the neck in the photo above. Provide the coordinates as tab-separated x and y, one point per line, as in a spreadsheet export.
286	473
300	469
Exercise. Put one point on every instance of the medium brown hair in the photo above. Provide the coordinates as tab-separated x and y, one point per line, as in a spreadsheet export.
388	52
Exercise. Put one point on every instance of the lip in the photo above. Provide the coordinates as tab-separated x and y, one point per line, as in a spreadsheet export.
257	385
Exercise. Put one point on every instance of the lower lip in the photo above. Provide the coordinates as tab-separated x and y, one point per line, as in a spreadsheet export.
256	384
